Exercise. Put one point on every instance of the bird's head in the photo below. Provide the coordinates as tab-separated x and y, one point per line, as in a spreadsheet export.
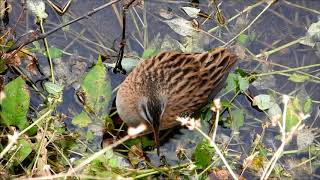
135	109
151	109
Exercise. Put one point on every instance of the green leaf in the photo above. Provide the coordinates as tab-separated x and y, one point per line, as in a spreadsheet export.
99	61
203	155
292	118
231	82
37	47
103	165
206	115
8	44
81	120
243	39
108	123
257	163
237	119
129	63
237	81
243	83
241	72
97	88
275	112
149	52
307	106
226	103
298	78
146	142
89	135
226	122
52	88
54	52
277	137
112	159
263	101
297	104
3	66
25	148
16	104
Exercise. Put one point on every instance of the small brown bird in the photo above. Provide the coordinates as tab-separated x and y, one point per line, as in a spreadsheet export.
169	85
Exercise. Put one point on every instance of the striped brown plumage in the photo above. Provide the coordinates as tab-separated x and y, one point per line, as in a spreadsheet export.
169	85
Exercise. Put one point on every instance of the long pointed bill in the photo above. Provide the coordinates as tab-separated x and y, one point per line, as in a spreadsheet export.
155	128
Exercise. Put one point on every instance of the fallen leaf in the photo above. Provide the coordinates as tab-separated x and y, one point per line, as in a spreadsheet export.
166	13
275	114
237	119
243	83
312	36
135	154
263	101
191	11
52	88
181	26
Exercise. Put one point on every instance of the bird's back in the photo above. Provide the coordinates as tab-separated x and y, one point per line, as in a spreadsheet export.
185	80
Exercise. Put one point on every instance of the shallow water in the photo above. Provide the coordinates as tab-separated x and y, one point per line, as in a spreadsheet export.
83	41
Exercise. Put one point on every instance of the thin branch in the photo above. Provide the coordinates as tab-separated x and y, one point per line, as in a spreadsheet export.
35	35
252	22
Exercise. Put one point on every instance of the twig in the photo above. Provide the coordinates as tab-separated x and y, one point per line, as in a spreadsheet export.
35	36
37	121
247	9
13	139
268	53
288	70
286	138
302	7
192	124
252	22
118	67
217	108
131	134
46	45
216	148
